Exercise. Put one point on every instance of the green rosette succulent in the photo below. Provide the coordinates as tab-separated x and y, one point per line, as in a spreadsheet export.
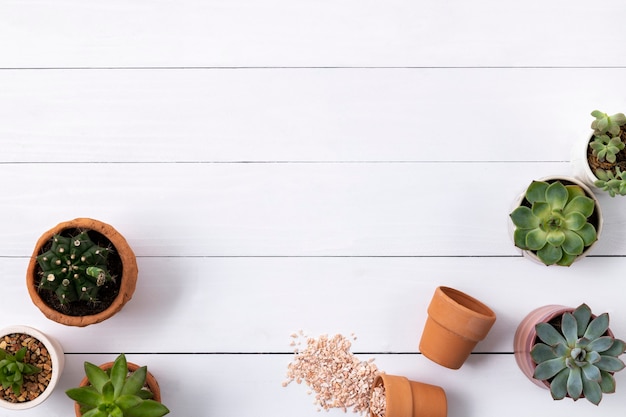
555	225
13	368
116	393
577	356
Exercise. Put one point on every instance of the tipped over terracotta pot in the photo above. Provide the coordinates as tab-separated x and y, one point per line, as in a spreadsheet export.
456	323
404	398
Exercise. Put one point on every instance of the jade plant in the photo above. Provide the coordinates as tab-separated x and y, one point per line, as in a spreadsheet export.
75	268
13	368
607	146
555	223
116	392
577	355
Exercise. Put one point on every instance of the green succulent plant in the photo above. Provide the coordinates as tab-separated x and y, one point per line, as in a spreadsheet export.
606	148
75	268
613	183
116	393
607	145
604	123
13	368
556	224
577	356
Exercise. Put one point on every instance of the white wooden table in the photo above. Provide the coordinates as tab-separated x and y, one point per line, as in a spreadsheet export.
324	165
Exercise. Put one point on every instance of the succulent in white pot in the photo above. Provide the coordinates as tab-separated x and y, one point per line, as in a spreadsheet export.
31	364
600	159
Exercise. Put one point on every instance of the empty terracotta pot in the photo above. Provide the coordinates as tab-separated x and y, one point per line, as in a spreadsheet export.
456	323
405	398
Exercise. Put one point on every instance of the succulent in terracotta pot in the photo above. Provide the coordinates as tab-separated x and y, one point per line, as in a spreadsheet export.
573	352
31	364
556	221
117	389
601	161
397	396
81	272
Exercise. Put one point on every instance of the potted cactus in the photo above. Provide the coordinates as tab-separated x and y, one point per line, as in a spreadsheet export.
81	272
31	364
556	221
117	389
601	161
570	351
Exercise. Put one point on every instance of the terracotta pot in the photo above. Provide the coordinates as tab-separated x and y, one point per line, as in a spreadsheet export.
456	323
405	398
151	382
128	278
55	350
596	217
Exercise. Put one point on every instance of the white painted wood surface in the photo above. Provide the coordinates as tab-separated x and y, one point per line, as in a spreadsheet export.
281	165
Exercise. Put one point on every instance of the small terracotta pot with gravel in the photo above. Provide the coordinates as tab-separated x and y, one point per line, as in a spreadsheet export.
397	396
456	323
43	352
94	292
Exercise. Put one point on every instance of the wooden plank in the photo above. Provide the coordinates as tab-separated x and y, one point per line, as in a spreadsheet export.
330	209
238	33
253	305
218	383
300	114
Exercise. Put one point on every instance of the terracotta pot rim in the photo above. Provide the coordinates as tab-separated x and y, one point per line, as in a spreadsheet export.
128	278
55	350
151	381
466	304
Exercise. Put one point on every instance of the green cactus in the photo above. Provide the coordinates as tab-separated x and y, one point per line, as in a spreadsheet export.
13	368
606	148
75	268
116	393
605	123
577	356
556	224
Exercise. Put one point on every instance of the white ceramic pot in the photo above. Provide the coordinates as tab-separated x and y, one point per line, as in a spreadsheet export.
580	166
58	362
598	212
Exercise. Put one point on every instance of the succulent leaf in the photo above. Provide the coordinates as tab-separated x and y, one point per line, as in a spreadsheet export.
601	344
574	383
558	386
550	255
542	352
573	244
610	364
607	385
524	218
597	327
549	368
569	328
536	191
549	335
592	390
